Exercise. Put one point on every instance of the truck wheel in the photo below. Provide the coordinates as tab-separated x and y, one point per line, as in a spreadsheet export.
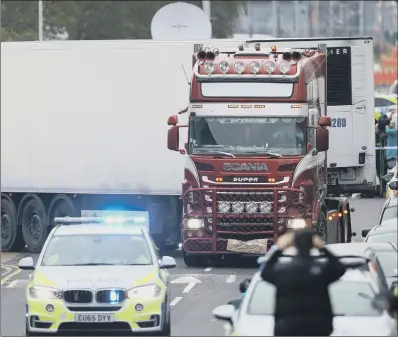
34	224
61	206
11	233
192	260
321	228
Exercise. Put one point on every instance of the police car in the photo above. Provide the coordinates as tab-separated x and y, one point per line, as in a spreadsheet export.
98	275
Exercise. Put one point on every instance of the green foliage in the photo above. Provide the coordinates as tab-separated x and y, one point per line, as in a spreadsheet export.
97	20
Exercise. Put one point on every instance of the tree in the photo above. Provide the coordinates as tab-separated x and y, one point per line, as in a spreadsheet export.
98	20
19	20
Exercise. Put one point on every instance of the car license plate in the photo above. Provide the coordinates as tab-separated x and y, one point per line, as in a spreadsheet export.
97	318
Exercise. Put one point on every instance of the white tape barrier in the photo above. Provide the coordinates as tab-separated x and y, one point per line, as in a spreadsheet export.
387	148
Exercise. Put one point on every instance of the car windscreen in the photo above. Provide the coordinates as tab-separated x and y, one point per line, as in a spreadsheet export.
97	249
389	213
348	298
383	237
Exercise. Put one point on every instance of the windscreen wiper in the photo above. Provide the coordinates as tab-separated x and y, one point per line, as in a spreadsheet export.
219	152
266	153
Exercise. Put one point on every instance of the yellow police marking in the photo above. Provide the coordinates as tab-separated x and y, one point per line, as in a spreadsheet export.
10	275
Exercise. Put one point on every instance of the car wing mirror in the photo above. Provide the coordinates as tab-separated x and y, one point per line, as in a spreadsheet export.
26	263
224	312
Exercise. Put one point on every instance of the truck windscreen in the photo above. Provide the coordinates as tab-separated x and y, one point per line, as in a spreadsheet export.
247	135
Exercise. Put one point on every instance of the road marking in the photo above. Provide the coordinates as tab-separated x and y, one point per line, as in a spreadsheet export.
208	269
188	288
231	279
175	301
10	275
8	270
12	284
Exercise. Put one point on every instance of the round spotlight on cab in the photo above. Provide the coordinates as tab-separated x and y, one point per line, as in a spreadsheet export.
209	67
139	307
224	67
284	67
254	67
270	66
239	67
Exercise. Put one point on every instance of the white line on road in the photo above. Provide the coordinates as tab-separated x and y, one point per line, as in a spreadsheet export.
208	269
188	288
8	269
231	279
175	301
12	274
12	284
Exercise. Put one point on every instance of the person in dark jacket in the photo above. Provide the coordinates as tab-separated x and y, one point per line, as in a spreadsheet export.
302	297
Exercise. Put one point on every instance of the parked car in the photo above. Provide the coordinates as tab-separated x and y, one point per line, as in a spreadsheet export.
388	211
357	300
385	232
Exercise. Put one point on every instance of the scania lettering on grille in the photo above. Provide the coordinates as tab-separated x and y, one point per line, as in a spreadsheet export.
245	180
258	167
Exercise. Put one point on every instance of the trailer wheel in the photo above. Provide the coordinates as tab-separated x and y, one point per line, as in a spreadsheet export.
61	206
321	228
34	224
11	233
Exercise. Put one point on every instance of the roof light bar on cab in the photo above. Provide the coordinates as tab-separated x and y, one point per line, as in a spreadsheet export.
236	76
106	220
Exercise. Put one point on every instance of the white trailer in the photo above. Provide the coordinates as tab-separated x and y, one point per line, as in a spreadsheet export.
350	104
83	130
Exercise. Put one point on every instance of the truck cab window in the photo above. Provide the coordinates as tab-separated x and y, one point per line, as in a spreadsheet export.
286	136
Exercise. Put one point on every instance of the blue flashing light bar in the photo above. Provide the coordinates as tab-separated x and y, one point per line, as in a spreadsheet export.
106	220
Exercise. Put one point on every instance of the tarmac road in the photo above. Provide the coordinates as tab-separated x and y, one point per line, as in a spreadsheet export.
195	292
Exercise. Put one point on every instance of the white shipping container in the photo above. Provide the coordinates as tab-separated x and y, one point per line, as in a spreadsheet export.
90	116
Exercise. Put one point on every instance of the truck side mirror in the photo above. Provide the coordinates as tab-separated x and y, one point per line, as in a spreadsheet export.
322	139
173	120
324	121
173	139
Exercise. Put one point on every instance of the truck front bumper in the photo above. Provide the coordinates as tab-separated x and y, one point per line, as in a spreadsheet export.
217	219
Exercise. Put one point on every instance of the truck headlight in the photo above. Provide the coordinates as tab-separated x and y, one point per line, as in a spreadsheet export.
41	292
150	290
193	223
296	223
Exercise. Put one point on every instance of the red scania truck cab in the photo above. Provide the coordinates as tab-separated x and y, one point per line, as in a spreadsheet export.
256	151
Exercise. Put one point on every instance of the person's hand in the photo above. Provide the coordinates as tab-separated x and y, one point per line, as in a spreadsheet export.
317	242
285	241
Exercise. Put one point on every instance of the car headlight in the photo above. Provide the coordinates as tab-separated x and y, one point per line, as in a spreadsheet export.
147	291
41	292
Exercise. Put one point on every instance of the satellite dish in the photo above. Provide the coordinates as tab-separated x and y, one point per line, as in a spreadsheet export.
180	21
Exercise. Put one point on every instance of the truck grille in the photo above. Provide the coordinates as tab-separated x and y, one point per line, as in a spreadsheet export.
244	212
78	296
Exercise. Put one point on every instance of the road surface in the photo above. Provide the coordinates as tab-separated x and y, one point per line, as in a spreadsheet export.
194	291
